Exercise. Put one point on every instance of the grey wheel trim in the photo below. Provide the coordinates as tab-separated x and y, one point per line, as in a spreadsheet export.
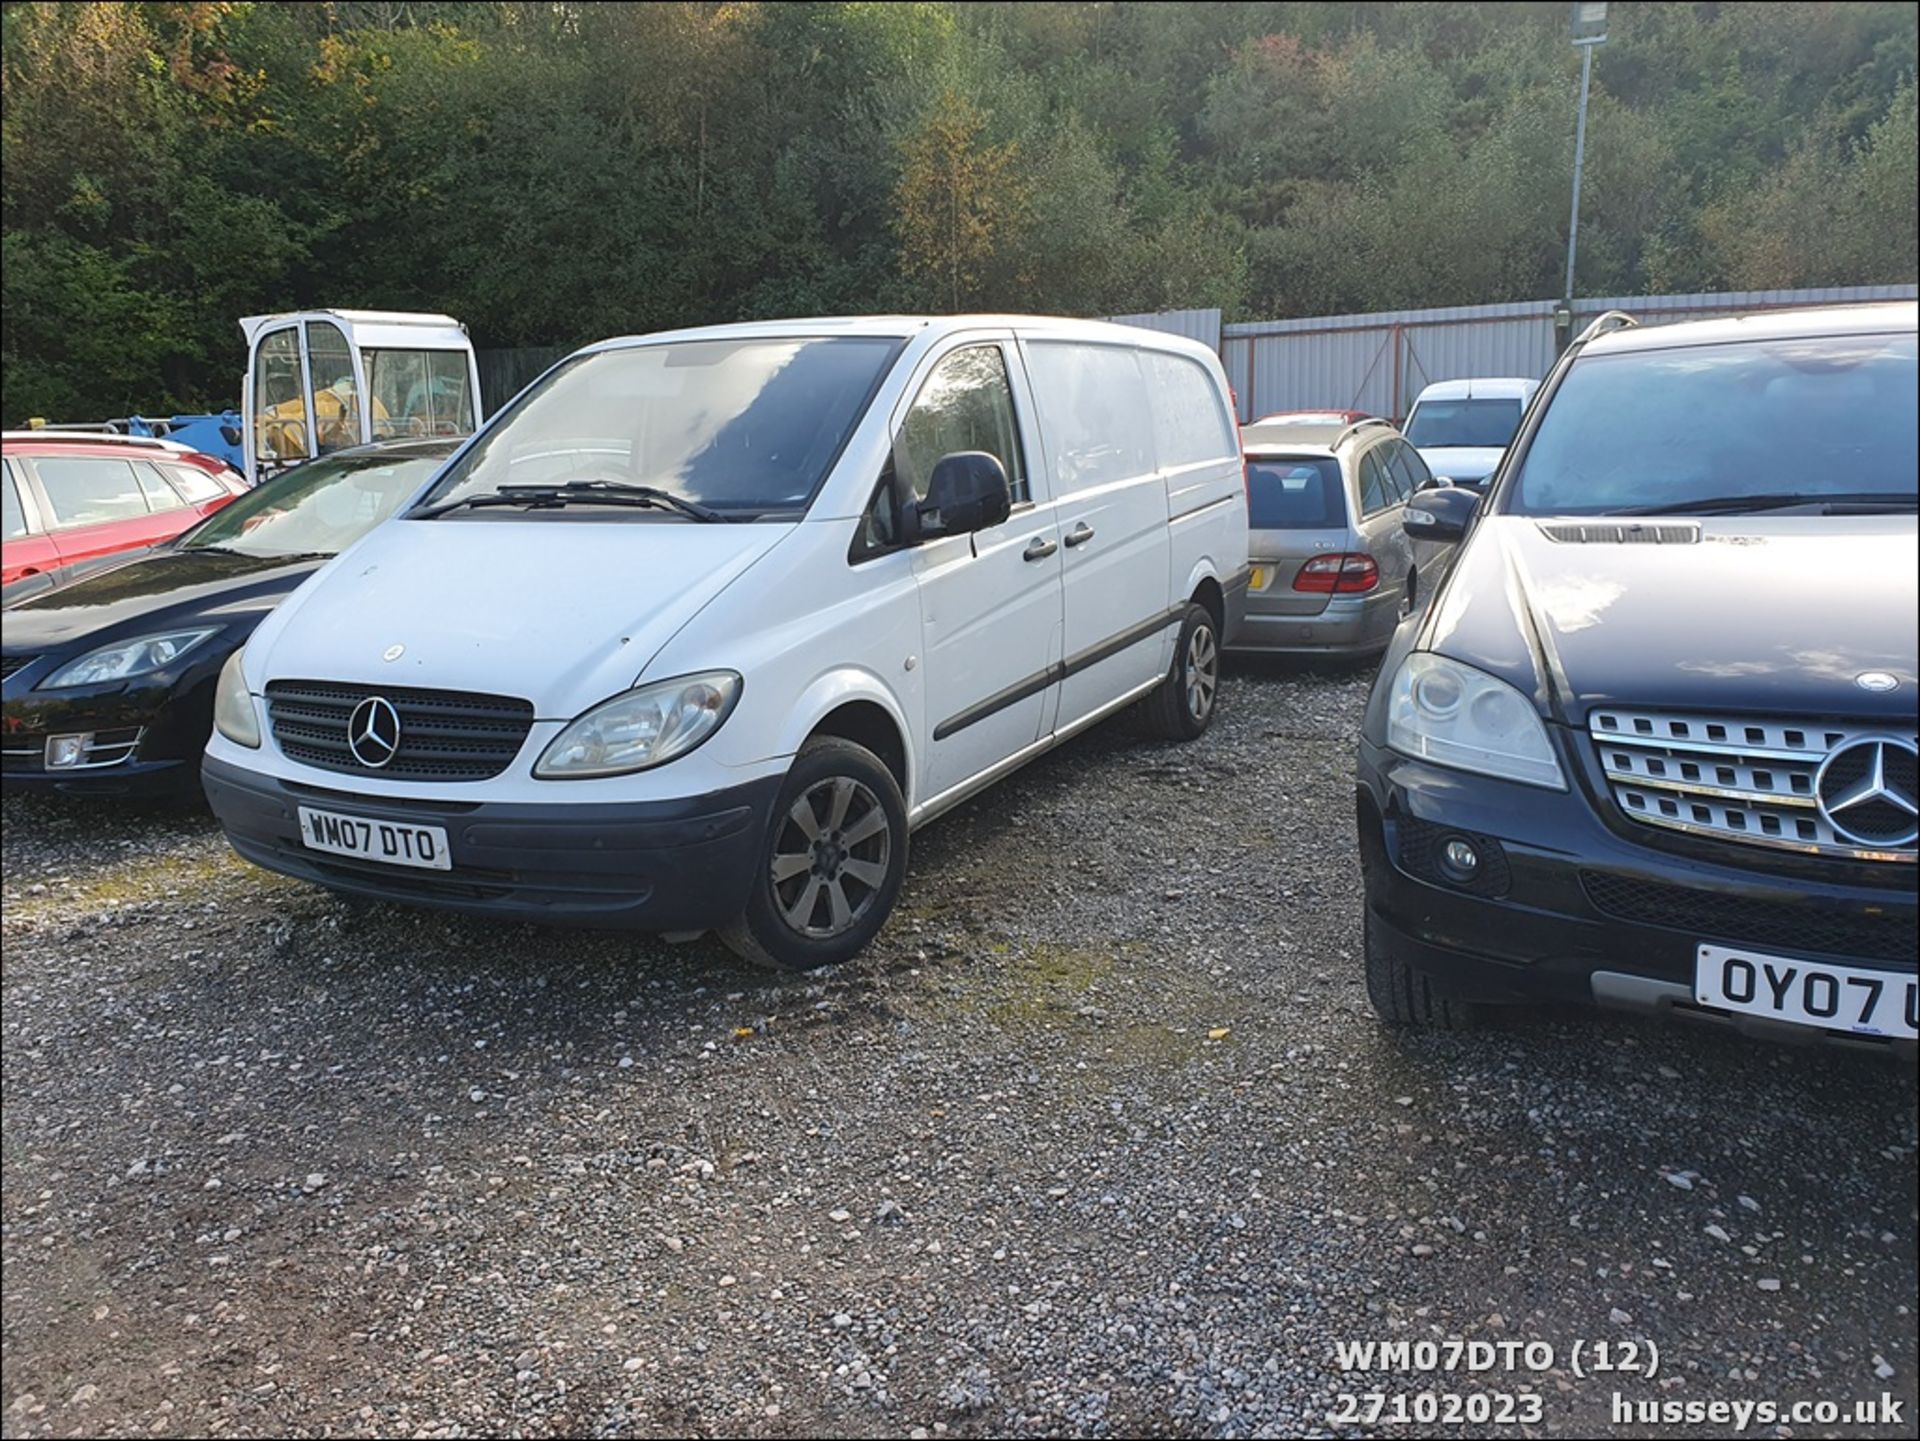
1200	671
830	857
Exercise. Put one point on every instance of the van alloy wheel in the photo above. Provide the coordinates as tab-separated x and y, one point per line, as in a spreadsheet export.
1182	705
830	857
1202	672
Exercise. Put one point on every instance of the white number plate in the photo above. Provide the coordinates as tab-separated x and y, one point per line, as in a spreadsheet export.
398	843
1807	993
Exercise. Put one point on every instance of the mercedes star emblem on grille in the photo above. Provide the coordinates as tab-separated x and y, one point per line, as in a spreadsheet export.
373	732
1867	791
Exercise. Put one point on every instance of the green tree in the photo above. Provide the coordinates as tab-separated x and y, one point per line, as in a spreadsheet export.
955	199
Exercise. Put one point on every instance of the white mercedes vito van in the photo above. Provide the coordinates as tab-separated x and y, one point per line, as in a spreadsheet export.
696	631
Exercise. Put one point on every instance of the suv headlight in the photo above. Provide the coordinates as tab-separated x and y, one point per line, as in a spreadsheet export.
1454	715
234	715
647	726
127	659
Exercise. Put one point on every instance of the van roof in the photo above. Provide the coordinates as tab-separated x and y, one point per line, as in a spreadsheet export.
904	326
1886	317
1502	387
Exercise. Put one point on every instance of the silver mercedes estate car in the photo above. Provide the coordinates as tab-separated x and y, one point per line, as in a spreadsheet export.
1333	570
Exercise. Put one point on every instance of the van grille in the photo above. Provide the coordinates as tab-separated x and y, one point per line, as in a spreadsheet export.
1758	781
445	735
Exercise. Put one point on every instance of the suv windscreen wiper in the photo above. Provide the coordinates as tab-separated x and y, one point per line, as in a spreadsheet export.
578	492
1856	502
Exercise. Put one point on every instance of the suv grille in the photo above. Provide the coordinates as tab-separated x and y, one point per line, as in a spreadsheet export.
1603	532
1717	915
445	735
1764	782
12	663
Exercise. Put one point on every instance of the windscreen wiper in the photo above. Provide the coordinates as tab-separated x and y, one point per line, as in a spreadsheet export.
578	492
1858	501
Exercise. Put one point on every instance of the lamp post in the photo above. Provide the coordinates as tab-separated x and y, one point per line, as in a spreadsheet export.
1589	30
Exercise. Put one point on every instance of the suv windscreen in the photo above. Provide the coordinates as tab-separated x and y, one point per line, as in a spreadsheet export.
743	426
1302	494
1758	419
319	508
1480	424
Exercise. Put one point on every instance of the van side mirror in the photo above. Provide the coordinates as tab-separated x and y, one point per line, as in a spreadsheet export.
1441	514
967	491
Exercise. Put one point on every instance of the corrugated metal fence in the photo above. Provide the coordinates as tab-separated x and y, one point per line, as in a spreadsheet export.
1380	362
1377	363
1200	325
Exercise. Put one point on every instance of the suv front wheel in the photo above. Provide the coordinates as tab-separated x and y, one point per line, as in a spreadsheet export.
1402	996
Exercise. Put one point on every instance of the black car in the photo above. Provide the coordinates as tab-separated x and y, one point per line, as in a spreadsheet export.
109	678
1652	740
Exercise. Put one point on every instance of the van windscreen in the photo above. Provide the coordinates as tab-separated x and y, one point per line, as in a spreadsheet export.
1473	424
1302	494
743	426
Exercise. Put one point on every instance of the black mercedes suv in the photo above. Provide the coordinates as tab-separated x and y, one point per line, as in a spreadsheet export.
1651	742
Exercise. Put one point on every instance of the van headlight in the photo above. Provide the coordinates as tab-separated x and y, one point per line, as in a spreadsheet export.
1454	715
234	715
644	727
127	659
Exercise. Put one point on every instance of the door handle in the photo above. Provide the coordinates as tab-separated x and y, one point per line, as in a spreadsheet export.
1080	534
1039	548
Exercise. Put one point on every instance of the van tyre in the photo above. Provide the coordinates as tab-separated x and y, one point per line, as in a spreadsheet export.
1182	708
831	862
1404	997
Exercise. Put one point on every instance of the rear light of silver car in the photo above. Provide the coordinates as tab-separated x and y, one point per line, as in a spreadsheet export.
1350	574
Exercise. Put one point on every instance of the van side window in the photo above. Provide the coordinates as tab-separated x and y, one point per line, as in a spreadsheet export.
1190	421
1376	483
966	404
1098	422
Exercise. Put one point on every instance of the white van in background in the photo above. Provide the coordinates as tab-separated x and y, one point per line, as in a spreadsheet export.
695	632
1462	427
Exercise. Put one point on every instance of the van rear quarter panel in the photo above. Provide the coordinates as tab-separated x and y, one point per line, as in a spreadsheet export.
1207	503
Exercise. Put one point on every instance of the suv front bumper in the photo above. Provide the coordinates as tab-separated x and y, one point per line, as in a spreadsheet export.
1566	909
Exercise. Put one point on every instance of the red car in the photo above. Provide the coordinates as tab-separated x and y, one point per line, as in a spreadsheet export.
75	496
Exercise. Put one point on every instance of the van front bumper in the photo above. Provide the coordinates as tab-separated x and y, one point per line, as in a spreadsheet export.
671	865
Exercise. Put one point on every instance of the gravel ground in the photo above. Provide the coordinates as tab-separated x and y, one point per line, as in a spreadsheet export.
1100	1138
